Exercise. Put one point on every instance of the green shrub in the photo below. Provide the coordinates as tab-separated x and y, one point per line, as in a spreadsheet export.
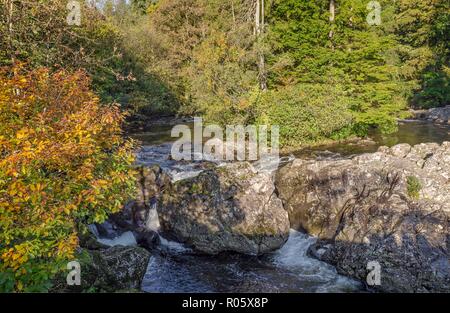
413	187
304	113
64	162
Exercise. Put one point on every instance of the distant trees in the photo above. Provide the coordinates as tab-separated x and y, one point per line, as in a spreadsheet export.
423	29
142	5
40	36
37	31
216	57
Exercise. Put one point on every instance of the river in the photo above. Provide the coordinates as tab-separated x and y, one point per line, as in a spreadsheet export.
174	268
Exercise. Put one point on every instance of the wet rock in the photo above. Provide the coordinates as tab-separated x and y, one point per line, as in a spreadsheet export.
135	215
88	240
108	230
231	208
119	267
147	239
392	206
439	115
151	180
123	229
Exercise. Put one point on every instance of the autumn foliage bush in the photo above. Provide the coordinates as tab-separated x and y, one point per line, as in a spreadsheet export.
63	163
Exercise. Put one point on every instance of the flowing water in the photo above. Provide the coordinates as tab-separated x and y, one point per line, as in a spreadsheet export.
174	268
286	270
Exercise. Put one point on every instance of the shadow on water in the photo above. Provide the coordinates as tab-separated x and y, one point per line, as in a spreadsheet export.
158	134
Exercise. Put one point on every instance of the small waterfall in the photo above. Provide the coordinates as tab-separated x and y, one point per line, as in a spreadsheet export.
125	239
294	256
153	224
160	155
128	238
285	270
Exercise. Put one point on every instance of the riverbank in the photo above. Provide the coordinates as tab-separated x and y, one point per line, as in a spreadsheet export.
439	115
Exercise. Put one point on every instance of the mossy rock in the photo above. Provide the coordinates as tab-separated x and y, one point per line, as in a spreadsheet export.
114	269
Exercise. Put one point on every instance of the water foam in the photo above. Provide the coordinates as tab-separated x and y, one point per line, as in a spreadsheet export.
126	239
294	256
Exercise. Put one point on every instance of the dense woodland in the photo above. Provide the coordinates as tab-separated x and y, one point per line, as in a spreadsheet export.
318	69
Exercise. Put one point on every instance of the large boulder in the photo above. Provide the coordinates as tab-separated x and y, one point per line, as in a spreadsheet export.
392	207
230	208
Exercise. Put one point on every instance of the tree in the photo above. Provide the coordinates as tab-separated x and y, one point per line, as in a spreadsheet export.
259	31
364	58
332	16
422	29
64	164
142	5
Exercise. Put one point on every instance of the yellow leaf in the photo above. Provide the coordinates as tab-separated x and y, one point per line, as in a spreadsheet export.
21	133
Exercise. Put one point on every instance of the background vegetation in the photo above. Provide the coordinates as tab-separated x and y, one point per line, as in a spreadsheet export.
303	56
215	58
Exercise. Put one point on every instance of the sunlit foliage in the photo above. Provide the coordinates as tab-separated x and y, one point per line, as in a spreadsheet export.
63	162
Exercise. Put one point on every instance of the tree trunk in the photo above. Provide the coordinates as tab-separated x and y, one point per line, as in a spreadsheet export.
332	16
10	8
262	15
234	14
332	10
257	17
259	29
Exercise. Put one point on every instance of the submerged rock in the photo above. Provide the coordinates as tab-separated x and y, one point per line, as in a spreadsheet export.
392	207
230	208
